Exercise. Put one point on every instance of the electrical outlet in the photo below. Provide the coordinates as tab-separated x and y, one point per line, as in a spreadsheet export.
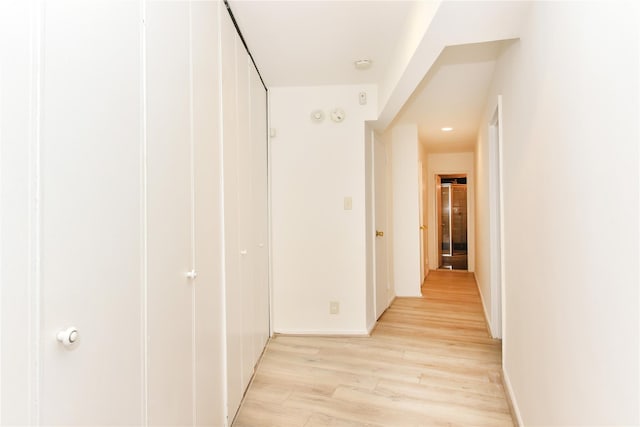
334	307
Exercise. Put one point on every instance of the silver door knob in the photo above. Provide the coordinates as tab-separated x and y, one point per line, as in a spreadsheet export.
68	336
192	274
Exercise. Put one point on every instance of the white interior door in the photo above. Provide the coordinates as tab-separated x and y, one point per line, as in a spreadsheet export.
382	274
245	214
90	224
260	211
169	215
209	296
233	283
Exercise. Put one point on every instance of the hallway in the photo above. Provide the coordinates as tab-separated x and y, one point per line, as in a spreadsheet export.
429	362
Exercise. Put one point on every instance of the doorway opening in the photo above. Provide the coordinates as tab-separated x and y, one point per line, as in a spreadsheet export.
452	222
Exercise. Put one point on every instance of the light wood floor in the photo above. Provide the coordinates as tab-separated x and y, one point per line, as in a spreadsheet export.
429	362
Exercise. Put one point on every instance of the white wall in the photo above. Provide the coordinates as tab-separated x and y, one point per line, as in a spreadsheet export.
417	24
571	196
318	248
406	221
488	268
111	190
445	164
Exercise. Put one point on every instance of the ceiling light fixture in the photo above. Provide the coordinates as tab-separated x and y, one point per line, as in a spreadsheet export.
362	64
447	129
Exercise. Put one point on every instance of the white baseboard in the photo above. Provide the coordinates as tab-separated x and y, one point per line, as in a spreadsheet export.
392	297
371	326
487	319
511	398
324	332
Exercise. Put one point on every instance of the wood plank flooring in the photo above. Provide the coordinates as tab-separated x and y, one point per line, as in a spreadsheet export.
429	362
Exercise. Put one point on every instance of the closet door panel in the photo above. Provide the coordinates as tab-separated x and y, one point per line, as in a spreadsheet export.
90	214
209	297
233	291
169	250
245	214
16	241
260	211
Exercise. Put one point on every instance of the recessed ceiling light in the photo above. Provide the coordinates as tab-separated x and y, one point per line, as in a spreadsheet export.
446	129
362	64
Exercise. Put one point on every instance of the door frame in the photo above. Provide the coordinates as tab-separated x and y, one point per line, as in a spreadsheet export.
423	254
496	222
384	281
438	218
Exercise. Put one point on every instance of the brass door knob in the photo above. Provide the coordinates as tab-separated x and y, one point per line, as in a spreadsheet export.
379	233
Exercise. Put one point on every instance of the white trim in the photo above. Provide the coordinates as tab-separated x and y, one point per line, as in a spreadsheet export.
2	285
144	230
484	308
370	234
192	236
392	296
371	326
35	212
637	11
471	185
223	236
376	139
269	218
508	389
502	221
495	219
421	213
324	332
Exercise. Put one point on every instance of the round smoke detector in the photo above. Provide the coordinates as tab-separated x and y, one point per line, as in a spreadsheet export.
317	116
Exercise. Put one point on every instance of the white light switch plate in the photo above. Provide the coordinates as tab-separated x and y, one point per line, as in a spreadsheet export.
334	307
348	203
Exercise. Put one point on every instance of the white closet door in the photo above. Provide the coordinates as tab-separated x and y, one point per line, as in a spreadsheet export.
259	212
90	216
16	194
209	296
170	292
245	214
233	291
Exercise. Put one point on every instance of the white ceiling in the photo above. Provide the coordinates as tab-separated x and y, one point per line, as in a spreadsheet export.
315	42
453	94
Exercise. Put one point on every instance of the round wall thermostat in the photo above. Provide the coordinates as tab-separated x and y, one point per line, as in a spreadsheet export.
337	115
317	116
